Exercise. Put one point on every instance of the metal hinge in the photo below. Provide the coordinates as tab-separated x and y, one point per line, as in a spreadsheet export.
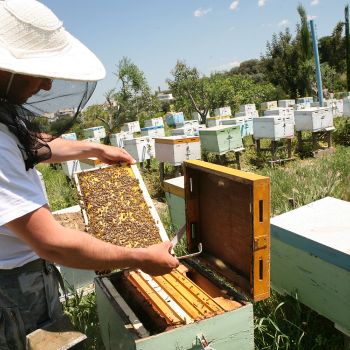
203	342
260	242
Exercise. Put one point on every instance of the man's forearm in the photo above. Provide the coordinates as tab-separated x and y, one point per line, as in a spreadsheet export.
81	250
63	150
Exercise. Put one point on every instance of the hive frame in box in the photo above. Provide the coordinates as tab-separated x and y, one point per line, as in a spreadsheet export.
135	171
231	329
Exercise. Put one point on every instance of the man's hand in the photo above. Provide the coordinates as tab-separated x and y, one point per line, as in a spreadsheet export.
156	260
112	155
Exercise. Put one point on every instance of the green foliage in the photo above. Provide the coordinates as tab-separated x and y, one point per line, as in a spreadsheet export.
341	134
59	190
199	93
81	310
282	323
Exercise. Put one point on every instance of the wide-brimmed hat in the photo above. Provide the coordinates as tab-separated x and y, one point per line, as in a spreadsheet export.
34	42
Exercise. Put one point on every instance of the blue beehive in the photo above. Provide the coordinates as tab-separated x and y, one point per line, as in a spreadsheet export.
175	118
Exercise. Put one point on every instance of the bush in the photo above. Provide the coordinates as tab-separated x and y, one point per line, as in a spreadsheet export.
341	134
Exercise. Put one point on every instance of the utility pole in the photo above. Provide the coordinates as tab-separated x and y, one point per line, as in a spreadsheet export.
317	63
347	45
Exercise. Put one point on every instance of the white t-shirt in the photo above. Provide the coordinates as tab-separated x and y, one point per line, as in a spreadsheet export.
20	193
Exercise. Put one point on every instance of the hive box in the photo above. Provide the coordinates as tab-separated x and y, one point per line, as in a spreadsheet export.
245	123
305	100
247	109
154	122
253	114
90	163
70	167
131	127
189	128
175	119
268	105
236	247
215	121
221	139
140	148
312	243
286	113
175	197
71	136
313	119
273	128
176	149
286	103
118	139
153	131
197	116
98	132
223	112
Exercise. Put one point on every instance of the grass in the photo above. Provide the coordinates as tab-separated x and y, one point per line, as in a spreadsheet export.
281	322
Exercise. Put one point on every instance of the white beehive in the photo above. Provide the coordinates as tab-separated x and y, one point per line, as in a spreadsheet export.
98	132
131	127
197	116
190	128
70	167
268	105
176	149
313	119
273	128
117	140
286	103
92	139
140	148
153	131
286	113
233	121
90	163
71	136
154	122
223	112
248	109
305	100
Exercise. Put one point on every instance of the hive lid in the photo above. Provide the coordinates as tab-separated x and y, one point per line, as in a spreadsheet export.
176	139
117	207
228	211
175	186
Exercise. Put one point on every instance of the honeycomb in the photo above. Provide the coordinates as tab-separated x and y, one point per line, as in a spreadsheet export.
116	209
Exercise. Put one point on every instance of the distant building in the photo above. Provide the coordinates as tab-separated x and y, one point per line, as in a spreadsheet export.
165	97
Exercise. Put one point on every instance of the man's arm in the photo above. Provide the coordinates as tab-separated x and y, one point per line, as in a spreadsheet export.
78	249
63	150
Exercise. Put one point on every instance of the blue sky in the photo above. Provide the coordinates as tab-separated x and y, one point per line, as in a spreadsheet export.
210	35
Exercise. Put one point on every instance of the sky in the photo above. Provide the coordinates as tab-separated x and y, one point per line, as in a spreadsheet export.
211	35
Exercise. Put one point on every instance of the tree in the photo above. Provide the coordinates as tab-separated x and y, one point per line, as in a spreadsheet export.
127	102
202	93
190	89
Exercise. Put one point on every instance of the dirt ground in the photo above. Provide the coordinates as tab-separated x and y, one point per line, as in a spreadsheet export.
71	220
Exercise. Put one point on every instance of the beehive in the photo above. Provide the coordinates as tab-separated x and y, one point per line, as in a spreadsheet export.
98	132
140	148
313	119
205	301
70	167
117	140
221	139
154	122
273	128
153	131
175	119
131	127
176	149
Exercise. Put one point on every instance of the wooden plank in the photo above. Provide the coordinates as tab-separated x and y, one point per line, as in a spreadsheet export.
58	335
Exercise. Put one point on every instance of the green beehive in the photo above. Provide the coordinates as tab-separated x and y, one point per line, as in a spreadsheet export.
175	198
221	139
206	302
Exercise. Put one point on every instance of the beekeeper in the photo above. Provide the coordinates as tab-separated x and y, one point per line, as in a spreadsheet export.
44	69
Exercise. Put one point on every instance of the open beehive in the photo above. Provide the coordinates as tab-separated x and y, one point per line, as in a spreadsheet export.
207	299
